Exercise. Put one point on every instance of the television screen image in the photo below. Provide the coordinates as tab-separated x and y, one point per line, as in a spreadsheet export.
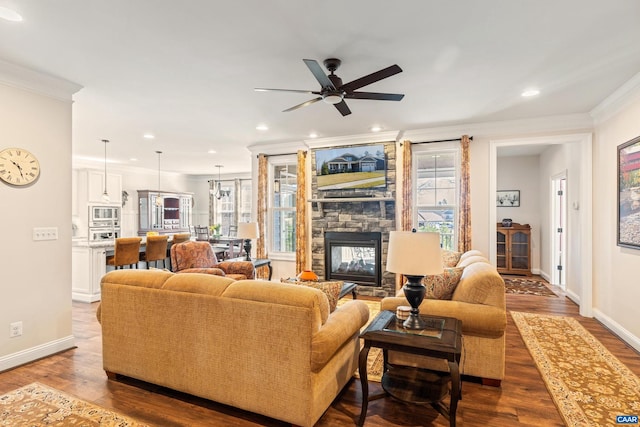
351	167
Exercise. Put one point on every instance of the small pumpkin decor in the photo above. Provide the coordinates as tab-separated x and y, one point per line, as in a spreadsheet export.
307	276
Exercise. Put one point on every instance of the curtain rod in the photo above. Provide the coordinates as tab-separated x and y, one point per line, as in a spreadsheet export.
441	140
275	155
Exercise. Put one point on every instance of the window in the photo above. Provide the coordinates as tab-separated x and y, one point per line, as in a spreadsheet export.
436	193
232	207
283	208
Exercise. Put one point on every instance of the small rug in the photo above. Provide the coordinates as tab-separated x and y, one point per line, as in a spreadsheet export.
527	286
375	359
588	384
37	405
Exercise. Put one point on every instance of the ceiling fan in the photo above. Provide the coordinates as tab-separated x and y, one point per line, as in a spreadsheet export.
334	92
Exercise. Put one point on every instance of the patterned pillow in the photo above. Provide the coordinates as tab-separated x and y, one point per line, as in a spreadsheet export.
330	289
450	259
441	286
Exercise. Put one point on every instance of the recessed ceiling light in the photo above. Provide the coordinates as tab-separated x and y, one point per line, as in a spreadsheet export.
9	14
375	128
530	92
313	135
262	127
133	159
211	151
148	136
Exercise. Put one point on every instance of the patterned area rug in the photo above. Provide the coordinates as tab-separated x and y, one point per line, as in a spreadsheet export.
527	286
375	359
588	384
37	405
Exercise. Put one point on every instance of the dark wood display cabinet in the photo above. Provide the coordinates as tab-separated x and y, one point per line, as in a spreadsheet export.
514	249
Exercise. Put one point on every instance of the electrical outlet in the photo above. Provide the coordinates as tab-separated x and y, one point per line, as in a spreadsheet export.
45	233
15	329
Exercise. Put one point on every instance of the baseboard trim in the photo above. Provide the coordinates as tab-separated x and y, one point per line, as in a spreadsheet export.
38	352
573	296
82	297
617	329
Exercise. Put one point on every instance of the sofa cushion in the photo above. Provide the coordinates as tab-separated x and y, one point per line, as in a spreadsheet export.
450	258
142	278
481	284
442	286
471	260
198	283
330	289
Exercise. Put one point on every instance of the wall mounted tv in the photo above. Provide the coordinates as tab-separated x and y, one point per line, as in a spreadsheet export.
362	166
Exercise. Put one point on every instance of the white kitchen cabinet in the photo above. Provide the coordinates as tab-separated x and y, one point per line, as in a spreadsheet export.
95	187
88	267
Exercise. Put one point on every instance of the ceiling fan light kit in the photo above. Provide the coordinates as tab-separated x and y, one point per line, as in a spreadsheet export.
332	91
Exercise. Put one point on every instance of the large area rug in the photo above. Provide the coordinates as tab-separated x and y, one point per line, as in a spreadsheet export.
588	384
374	360
37	405
527	286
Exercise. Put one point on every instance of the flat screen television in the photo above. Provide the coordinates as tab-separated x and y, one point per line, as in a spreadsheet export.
362	166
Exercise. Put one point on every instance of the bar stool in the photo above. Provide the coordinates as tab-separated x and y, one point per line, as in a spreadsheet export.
156	250
127	252
180	237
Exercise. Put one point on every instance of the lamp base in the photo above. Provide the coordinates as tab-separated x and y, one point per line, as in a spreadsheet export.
414	291
247	249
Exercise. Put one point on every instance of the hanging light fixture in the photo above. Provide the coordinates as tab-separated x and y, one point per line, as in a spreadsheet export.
220	193
105	195
159	201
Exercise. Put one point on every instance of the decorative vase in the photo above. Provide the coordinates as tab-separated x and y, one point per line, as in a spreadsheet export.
308	276
506	222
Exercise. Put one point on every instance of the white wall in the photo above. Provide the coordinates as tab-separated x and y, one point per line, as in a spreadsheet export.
615	269
36	276
521	173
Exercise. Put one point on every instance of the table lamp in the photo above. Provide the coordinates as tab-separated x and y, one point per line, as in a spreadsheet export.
248	231
414	255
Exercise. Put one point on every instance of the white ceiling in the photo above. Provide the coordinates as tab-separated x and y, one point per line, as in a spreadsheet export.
185	71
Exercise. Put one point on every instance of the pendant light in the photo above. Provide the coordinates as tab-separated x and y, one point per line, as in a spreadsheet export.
159	201
220	193
105	195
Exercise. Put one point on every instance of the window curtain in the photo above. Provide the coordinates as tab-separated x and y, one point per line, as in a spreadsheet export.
301	213
261	250
464	214
406	218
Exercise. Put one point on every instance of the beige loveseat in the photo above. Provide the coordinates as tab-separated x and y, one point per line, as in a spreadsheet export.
265	347
479	301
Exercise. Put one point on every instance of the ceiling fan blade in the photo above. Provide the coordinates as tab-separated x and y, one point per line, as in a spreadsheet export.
264	89
376	96
304	104
320	76
371	78
343	108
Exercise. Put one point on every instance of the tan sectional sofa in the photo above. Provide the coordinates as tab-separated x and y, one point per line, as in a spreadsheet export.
479	301
265	347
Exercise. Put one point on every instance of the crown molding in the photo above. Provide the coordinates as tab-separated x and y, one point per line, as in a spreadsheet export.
276	147
367	138
569	122
37	82
623	96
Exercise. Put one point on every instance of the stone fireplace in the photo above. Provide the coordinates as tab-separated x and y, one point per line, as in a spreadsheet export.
366	211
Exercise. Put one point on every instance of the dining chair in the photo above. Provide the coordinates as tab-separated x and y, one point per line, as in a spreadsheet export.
127	252
156	250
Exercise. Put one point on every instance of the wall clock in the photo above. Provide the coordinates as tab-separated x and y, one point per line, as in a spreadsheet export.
18	166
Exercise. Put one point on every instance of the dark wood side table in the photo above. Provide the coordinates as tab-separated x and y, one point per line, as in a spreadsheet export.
441	339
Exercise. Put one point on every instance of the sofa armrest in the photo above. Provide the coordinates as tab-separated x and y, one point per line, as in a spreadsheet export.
477	319
238	267
341	325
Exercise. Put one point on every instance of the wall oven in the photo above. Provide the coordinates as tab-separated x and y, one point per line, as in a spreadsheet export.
98	234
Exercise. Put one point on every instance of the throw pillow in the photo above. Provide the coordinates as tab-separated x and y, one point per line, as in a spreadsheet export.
330	289
450	258
441	286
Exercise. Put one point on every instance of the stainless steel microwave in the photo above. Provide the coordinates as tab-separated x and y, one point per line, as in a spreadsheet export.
100	216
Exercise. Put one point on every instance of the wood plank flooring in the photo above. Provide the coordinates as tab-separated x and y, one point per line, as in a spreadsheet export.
521	401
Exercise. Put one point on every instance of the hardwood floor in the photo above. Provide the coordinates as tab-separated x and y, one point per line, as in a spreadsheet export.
522	399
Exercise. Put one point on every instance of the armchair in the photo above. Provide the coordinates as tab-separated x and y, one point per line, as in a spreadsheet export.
198	257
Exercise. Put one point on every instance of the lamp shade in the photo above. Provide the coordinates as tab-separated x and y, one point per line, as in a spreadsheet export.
414	254
248	230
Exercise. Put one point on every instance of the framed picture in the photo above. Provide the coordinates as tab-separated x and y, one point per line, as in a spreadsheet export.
508	198
629	194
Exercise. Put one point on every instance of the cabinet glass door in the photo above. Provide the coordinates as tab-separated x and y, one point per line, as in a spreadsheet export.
520	250
501	250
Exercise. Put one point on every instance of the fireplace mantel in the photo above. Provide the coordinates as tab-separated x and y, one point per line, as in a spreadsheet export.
380	200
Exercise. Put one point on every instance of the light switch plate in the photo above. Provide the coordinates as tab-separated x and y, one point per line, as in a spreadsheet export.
45	233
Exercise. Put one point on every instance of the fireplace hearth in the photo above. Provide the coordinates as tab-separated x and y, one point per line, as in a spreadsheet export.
354	257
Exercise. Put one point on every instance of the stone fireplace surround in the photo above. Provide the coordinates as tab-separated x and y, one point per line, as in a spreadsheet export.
355	210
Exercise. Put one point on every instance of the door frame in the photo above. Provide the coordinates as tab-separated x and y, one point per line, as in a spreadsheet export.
584	296
556	206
